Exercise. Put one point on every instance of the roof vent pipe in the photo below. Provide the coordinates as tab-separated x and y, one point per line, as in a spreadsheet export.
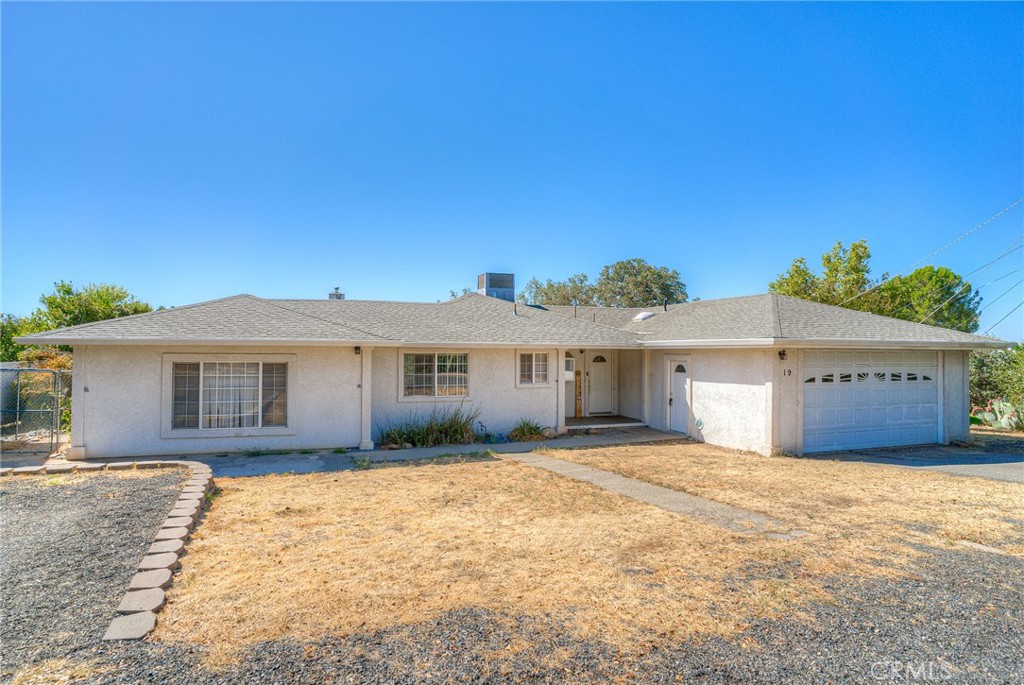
336	295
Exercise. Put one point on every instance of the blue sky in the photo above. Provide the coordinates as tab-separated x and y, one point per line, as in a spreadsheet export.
192	151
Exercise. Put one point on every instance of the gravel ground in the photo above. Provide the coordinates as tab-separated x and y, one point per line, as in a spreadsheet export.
68	548
960	620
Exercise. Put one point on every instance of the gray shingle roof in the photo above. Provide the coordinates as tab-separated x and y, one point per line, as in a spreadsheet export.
777	317
471	319
479	320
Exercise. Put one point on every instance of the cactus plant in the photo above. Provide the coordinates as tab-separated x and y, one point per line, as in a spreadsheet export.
1002	414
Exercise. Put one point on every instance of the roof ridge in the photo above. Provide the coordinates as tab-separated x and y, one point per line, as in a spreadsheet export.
773	313
153	312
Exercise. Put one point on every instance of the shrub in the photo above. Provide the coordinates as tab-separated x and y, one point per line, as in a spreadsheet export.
526	430
997	375
445	426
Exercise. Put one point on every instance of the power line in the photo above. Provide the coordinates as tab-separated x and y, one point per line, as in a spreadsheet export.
980	269
1005	317
987	221
1020	282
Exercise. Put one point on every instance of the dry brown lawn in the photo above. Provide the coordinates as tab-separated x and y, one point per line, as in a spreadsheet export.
334	554
843	503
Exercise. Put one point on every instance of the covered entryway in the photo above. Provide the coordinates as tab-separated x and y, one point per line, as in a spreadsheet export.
865	399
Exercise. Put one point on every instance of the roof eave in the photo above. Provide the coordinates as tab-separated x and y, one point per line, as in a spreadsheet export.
829	342
283	342
276	342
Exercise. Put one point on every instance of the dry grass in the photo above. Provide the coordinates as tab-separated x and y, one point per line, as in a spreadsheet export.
307	556
334	554
840	502
57	672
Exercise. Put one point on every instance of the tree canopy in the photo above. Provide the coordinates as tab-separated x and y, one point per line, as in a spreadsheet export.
67	306
627	283
932	295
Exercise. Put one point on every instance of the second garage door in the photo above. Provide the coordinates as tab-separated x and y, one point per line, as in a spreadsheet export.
862	399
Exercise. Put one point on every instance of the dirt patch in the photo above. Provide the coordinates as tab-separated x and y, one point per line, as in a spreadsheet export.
997	441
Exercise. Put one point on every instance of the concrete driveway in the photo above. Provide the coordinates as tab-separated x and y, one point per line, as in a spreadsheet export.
959	461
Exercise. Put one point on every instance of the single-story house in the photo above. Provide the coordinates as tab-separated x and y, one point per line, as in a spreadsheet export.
764	373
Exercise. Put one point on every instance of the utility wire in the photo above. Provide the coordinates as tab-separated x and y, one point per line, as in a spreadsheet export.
987	221
980	269
992	302
1005	317
908	305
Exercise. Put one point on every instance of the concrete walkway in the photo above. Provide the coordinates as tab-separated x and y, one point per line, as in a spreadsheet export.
715	513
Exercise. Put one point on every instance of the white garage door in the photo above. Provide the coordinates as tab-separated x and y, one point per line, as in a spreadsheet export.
857	400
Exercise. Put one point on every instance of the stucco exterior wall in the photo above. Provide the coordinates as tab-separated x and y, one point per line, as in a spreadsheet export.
730	394
956	395
631	399
120	407
788	396
492	390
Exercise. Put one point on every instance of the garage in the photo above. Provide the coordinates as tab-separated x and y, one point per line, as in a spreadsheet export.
864	399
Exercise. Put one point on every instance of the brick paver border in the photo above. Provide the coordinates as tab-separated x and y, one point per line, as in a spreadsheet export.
145	595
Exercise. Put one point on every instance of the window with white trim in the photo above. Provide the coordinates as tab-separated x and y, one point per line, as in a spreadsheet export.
229	395
441	374
533	368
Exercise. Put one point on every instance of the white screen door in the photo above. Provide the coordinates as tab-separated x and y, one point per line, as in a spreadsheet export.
600	385
678	411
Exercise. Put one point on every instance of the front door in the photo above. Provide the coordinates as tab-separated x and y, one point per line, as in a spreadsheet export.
600	396
678	409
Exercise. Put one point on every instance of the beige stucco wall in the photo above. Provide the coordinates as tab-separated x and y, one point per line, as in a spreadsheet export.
730	394
120	407
786	404
956	395
630	380
492	390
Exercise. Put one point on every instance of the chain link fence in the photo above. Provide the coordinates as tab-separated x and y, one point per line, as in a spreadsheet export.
35	410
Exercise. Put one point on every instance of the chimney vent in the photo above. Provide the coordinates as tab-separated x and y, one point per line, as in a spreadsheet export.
336	295
501	286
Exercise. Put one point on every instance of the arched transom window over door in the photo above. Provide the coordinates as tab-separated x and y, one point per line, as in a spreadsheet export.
680	368
599	359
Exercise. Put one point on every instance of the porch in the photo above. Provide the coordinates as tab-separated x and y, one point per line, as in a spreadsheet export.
605	421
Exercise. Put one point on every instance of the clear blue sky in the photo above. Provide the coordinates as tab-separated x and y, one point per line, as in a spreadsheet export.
193	151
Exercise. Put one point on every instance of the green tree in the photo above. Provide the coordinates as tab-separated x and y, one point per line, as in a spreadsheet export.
10	328
845	273
628	283
933	295
635	283
576	290
68	306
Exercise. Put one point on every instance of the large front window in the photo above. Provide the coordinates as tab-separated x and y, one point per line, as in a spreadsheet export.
444	374
229	395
